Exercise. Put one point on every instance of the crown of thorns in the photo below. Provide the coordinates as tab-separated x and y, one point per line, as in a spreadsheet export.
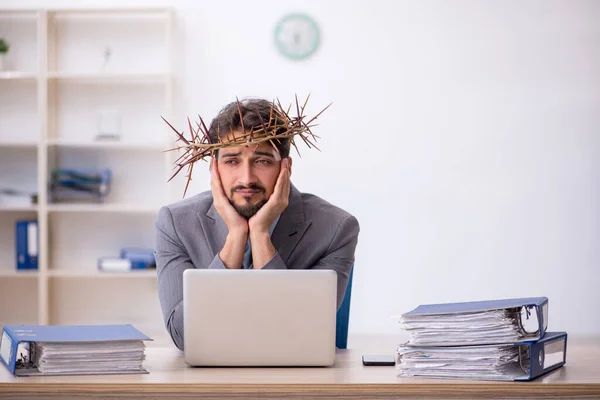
280	126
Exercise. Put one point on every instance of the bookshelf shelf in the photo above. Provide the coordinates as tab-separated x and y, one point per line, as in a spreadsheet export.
15	75
18	144
103	208
18	274
101	78
74	274
17	209
110	145
67	73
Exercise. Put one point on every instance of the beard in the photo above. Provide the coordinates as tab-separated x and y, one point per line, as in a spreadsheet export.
248	209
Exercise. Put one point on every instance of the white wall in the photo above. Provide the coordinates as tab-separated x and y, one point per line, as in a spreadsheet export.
464	136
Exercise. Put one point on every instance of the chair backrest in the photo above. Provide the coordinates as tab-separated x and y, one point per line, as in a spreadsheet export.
342	317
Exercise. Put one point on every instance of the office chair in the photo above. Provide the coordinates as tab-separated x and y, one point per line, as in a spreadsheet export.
342	317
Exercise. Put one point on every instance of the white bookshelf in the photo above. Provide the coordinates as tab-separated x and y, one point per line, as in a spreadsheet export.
56	83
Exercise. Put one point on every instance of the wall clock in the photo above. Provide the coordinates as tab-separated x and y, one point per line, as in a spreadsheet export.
297	36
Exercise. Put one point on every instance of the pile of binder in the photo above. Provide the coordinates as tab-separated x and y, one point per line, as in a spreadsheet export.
485	340
73	350
77	185
130	259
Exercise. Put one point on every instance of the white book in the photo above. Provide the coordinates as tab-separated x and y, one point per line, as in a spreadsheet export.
114	264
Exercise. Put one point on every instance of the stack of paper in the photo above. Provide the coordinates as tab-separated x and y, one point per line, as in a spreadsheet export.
495	340
495	326
88	358
72	349
474	362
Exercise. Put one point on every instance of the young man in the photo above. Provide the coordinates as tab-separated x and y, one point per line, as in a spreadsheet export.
253	217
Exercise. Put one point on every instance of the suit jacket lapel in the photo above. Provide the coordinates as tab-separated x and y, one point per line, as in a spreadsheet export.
291	226
215	230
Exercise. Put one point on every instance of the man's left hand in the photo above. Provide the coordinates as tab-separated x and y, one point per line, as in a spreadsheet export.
264	218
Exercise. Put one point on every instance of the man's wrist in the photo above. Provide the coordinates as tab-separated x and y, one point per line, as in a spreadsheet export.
262	248
259	235
238	232
233	251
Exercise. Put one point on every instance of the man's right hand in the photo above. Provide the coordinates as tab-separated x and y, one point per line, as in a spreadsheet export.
234	221
232	253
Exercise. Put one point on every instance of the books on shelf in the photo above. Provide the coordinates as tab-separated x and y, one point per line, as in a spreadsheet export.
73	349
130	259
485	340
27	246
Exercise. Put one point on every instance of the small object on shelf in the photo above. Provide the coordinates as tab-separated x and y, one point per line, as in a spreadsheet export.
12	197
27	244
4	48
130	259
142	258
114	264
107	53
109	125
80	185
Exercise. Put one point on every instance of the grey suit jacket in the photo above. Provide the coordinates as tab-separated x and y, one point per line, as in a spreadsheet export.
311	234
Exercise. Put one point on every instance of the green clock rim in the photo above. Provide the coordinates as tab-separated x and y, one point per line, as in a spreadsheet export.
314	44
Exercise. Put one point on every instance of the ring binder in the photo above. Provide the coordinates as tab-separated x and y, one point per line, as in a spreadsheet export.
477	322
485	362
72	350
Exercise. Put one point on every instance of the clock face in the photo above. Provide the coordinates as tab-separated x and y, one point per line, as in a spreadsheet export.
297	36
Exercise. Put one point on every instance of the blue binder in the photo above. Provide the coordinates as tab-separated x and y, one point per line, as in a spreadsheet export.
534	359
546	354
15	335
27	245
539	304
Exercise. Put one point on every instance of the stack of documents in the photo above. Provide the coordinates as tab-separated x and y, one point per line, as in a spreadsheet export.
88	358
493	361
493	340
73	350
445	329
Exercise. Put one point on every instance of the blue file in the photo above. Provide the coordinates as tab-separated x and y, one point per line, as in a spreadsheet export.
17	338
546	354
532	359
141	258
27	248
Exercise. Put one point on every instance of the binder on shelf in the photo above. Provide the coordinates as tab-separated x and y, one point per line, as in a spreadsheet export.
521	361
115	264
26	244
131	258
141	258
72	349
477	322
80	184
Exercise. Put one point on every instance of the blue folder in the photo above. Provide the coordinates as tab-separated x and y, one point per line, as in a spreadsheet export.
546	354
539	304
535	359
26	244
15	335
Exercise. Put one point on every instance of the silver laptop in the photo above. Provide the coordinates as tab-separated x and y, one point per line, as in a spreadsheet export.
259	318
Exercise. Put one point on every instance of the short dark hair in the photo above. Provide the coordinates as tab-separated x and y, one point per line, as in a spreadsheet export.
255	113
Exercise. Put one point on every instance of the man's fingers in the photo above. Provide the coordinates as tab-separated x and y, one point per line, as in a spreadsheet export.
280	184
215	181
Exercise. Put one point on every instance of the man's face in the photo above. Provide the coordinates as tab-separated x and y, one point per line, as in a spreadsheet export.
248	175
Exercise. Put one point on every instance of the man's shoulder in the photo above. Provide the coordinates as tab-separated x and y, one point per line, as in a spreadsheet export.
316	208
199	203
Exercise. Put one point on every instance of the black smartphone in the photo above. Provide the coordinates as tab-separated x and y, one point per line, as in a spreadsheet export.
378	360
